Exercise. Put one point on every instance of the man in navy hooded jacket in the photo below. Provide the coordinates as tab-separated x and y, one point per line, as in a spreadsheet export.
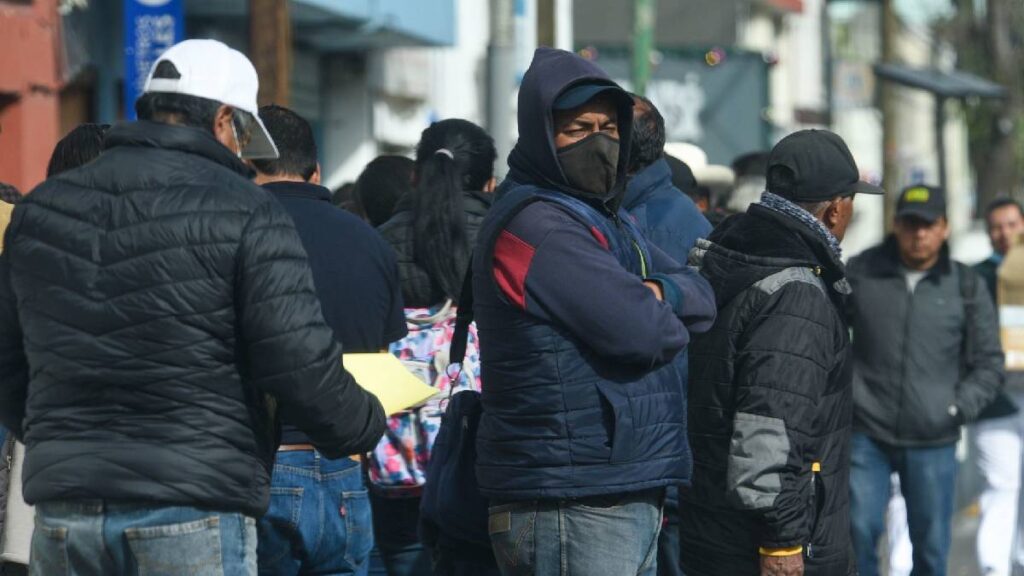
583	423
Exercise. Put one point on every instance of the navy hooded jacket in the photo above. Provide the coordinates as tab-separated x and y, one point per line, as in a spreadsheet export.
580	394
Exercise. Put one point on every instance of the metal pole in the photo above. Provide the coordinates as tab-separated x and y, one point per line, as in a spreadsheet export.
940	141
563	25
890	135
501	81
643	43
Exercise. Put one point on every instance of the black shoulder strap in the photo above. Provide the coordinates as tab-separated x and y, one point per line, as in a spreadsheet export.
968	293
463	318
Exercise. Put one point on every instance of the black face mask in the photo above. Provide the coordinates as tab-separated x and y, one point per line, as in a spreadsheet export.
591	165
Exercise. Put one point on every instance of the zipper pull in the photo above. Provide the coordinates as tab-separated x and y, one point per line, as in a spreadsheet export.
810	550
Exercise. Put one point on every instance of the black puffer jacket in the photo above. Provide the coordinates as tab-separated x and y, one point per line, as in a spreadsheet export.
418	289
770	396
152	303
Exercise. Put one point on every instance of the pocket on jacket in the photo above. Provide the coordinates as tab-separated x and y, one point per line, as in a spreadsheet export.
188	548
49	553
617	404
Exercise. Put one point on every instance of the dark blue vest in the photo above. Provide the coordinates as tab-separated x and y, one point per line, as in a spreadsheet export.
558	420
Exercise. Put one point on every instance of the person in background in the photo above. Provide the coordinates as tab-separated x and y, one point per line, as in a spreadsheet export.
381	186
433	232
771	392
344	197
670	220
580	319
1000	429
80	146
751	172
148	343
927	360
356	278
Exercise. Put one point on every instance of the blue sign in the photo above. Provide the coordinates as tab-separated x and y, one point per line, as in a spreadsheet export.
150	28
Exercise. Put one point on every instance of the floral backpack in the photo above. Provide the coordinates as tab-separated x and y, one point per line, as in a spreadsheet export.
397	467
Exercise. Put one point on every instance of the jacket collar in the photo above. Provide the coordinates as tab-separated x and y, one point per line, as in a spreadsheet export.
299	190
145	134
646	182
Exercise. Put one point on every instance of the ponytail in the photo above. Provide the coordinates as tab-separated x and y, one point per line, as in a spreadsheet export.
454	156
442	245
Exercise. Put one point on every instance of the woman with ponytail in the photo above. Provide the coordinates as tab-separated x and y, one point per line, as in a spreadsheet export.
433	232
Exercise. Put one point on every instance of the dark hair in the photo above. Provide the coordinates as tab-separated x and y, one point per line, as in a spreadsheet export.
81	146
194	111
383	182
648	140
999	204
751	164
682	175
453	156
296	147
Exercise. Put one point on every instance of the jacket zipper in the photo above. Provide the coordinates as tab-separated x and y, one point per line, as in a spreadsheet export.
815	471
903	361
636	246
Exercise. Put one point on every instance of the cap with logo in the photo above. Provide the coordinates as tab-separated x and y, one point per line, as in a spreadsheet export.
925	202
210	69
821	167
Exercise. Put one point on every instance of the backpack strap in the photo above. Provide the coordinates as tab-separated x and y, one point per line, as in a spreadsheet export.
968	292
463	318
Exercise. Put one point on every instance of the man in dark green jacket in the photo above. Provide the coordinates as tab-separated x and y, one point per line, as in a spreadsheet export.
927	359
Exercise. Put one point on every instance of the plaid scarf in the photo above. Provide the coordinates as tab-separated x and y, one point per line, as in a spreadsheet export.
781	205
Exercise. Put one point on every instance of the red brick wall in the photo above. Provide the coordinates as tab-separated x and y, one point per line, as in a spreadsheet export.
29	90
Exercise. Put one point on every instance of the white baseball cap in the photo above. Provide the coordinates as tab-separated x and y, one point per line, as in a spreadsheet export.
210	69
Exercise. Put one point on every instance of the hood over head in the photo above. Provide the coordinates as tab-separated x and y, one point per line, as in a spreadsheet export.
534	159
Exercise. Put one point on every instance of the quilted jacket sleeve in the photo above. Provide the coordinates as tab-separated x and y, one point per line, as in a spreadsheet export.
783	366
13	364
290	352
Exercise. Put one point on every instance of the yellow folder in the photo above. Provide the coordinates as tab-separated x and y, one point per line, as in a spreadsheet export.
387	378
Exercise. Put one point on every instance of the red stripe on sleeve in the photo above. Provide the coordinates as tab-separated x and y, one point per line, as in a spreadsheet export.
512	257
599	237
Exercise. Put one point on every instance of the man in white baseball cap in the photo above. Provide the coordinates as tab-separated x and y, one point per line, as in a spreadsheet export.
211	71
157	312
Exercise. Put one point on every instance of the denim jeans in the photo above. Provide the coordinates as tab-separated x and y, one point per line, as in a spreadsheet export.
319	519
927	480
95	538
599	536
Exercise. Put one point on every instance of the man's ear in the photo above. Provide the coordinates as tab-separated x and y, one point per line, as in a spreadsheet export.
316	177
491	185
831	216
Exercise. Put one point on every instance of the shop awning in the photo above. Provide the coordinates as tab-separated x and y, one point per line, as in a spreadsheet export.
954	84
349	25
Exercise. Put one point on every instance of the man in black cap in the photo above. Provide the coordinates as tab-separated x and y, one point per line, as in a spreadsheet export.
927	360
770	394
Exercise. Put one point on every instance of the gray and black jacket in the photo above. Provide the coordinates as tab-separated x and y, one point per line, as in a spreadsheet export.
912	361
769	402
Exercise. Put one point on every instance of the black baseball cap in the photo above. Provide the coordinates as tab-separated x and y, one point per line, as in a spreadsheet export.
820	167
922	201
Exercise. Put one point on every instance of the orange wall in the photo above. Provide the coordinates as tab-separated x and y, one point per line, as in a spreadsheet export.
29	85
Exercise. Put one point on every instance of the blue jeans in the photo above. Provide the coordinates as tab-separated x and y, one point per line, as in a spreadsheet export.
319	519
599	536
928	482
95	538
